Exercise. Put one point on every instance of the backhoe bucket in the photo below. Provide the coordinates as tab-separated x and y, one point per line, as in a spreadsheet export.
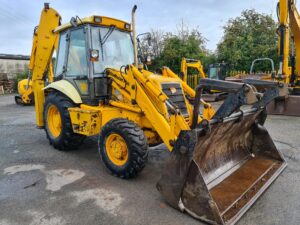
218	169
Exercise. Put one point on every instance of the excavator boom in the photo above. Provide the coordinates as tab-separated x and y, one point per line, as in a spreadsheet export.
44	43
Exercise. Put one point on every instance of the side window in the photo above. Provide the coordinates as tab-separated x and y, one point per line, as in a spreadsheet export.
77	57
61	55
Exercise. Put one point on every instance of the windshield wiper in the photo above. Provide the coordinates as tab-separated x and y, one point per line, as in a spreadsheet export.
106	36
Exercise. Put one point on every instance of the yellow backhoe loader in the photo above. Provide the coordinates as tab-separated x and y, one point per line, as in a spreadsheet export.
191	79
220	162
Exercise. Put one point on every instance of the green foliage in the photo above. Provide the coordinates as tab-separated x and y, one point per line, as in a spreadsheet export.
247	37
22	76
185	43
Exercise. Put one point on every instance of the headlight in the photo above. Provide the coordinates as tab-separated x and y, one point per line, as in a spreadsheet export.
97	19
94	55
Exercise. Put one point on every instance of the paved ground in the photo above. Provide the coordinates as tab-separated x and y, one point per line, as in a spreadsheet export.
40	185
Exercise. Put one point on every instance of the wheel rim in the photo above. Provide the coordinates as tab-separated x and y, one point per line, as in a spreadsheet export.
116	149
54	121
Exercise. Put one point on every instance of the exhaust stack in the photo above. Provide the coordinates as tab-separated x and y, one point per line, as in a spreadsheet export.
134	35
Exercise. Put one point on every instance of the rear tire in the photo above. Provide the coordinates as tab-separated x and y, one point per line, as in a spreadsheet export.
62	138
131	155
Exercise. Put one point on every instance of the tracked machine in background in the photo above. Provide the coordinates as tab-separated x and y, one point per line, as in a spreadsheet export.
220	163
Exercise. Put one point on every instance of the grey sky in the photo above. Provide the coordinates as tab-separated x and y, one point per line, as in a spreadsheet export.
19	17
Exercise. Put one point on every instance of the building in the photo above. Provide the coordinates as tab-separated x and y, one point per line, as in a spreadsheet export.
11	65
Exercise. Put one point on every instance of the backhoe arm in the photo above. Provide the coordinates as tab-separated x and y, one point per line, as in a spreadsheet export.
289	27
284	35
295	30
44	43
191	63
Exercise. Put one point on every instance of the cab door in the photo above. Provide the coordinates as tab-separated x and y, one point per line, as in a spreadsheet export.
77	64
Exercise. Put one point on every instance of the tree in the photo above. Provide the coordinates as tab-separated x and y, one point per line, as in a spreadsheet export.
185	42
247	37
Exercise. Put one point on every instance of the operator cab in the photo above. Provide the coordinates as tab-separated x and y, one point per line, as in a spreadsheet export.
217	71
86	48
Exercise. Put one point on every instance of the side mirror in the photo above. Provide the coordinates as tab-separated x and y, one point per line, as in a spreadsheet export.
94	55
146	36
73	22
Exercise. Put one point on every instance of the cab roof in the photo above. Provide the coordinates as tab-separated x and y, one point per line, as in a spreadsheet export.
97	20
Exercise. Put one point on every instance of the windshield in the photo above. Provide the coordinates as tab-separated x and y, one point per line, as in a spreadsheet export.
115	48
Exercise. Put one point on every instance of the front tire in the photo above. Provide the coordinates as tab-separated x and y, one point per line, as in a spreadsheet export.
123	148
58	124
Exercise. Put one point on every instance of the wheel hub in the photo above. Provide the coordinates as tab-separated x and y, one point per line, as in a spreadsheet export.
117	150
54	121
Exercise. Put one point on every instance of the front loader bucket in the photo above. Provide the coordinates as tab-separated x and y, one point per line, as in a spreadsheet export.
218	169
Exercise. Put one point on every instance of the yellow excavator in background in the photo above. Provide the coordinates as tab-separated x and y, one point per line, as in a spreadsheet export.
221	161
289	29
191	79
215	71
288	74
25	92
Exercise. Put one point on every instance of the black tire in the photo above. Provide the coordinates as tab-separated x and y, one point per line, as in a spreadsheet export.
67	140
136	143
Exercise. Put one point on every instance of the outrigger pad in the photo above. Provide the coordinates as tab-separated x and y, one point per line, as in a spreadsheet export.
217	171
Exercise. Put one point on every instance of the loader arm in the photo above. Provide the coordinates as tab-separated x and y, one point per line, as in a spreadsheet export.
44	43
136	88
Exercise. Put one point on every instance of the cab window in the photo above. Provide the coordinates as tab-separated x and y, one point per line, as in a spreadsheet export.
77	63
61	55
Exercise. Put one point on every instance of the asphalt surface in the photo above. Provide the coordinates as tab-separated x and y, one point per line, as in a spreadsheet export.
40	185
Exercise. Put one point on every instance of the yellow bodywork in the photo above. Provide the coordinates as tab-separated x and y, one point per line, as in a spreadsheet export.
44	43
84	121
150	112
290	23
67	89
103	21
25	90
137	95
